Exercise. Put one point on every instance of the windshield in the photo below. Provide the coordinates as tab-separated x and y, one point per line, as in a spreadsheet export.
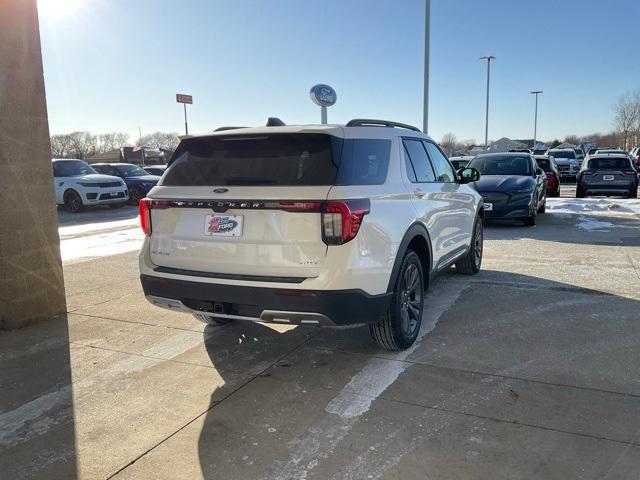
609	164
72	168
130	171
502	165
563	154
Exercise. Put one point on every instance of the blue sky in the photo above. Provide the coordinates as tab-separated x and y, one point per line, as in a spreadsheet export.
114	65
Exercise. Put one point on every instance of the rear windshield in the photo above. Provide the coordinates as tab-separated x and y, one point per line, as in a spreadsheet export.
291	159
563	153
544	164
609	164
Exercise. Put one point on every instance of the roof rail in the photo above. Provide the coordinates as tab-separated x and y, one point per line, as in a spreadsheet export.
366	122
222	129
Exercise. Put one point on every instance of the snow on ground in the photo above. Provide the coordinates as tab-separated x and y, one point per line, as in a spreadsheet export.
72	230
593	212
101	244
595	206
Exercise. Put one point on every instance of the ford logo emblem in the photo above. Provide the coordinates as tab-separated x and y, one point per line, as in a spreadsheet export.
221	190
323	95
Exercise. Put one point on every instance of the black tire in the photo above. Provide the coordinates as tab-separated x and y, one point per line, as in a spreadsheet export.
556	194
116	205
579	193
73	202
530	221
543	207
633	193
399	326
471	262
134	196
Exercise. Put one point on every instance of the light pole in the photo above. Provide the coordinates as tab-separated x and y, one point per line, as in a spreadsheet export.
425	98
535	118
488	58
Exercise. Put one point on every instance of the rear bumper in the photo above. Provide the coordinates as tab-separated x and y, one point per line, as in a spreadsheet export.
318	307
607	190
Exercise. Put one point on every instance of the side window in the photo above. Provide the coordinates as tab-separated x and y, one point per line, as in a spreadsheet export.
444	171
364	162
418	166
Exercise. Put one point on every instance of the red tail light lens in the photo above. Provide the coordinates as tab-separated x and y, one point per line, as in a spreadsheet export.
341	220
145	216
299	206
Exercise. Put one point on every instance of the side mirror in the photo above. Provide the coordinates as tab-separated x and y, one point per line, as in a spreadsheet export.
467	175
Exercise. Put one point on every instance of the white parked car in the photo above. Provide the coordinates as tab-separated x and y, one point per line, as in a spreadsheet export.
78	185
567	162
314	224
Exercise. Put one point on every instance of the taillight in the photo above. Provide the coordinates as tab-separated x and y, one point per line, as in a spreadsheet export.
299	206
341	220
145	215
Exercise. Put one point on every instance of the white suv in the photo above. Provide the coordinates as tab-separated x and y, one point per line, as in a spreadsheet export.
313	224
77	185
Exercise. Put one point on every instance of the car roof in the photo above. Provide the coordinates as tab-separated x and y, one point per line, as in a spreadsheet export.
67	160
336	130
562	150
503	154
609	155
543	157
114	163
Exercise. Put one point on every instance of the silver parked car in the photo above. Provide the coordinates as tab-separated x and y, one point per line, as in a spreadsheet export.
607	174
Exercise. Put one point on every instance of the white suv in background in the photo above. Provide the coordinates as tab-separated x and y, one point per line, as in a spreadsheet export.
78	185
313	224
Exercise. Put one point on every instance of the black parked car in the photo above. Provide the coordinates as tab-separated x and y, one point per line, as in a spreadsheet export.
512	185
607	174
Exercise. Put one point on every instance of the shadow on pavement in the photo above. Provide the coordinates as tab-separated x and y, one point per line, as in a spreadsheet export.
36	407
96	215
498	333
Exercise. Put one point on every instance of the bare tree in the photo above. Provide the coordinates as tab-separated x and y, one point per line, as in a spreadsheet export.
627	117
112	141
60	145
83	144
573	139
449	143
165	141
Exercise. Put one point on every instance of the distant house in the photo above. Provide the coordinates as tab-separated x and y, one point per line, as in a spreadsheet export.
506	144
151	156
146	156
114	156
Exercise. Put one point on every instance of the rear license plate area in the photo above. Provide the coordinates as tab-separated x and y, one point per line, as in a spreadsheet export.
223	225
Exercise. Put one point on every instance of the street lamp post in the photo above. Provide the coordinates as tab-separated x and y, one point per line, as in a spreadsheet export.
425	98
488	58
535	119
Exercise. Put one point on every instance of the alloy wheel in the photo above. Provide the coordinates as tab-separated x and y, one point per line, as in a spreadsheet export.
411	300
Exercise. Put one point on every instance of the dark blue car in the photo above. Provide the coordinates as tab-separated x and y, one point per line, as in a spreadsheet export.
138	181
512	186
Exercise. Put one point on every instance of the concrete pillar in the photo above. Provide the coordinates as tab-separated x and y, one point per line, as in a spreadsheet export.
31	281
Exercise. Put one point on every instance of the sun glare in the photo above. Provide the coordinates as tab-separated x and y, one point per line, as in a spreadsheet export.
51	9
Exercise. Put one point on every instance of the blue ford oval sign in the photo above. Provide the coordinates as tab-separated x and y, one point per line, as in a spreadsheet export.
323	95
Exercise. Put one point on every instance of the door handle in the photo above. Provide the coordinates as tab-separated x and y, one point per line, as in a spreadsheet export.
419	193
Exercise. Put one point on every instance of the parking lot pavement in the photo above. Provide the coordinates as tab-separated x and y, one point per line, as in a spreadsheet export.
530	369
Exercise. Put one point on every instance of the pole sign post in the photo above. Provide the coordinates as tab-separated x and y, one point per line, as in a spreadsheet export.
324	96
184	99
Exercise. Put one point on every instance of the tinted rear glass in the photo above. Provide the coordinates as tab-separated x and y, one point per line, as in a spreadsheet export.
544	164
272	159
296	159
563	153
364	162
609	164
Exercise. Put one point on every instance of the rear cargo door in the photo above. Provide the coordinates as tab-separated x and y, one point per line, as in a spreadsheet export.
245	206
